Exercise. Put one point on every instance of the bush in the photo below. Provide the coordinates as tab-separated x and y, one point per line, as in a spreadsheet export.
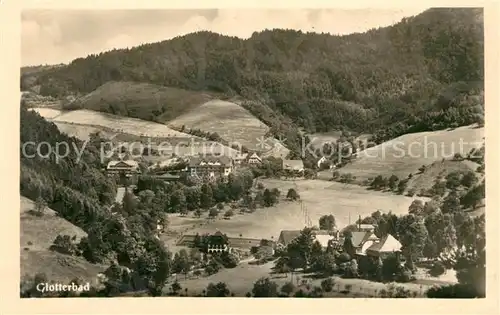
288	288
264	287
405	276
437	269
229	213
343	258
65	245
327	285
217	290
456	291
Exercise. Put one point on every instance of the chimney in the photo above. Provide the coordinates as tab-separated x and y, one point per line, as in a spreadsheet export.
359	222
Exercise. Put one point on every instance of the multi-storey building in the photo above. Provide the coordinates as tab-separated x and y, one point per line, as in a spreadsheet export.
210	166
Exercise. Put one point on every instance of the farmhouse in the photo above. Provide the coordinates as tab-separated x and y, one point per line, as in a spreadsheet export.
254	159
293	165
325	237
385	246
287	236
358	242
128	167
210	166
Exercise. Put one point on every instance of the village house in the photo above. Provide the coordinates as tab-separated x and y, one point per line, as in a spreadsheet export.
325	237
385	246
254	159
293	166
128	167
364	242
287	236
210	166
240	158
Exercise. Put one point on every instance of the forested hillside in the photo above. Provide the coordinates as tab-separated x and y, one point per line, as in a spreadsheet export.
81	193
414	73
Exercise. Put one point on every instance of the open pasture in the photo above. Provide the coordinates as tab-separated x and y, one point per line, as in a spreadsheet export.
37	235
405	154
128	125
47	113
232	122
345	202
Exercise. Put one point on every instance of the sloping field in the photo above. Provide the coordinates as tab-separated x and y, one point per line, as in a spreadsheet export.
81	132
38	234
426	179
181	146
231	121
141	100
41	231
405	154
118	123
47	113
319	198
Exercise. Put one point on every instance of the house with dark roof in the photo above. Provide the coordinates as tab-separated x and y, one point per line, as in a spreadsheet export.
210	166
287	236
357	242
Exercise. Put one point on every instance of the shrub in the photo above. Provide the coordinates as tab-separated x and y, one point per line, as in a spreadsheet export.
327	285
437	269
288	288
229	213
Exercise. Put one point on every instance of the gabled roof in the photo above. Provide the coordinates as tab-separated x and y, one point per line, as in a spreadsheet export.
207	160
358	238
120	163
323	239
287	236
388	244
255	156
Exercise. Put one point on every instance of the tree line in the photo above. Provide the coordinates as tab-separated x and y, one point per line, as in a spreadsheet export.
423	73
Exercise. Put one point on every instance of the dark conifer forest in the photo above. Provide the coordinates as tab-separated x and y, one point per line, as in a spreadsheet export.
423	73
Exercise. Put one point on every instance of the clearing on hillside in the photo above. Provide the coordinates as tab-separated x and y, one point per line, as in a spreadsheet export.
319	198
425	180
181	146
405	154
38	234
128	125
232	122
82	132
47	113
141	100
